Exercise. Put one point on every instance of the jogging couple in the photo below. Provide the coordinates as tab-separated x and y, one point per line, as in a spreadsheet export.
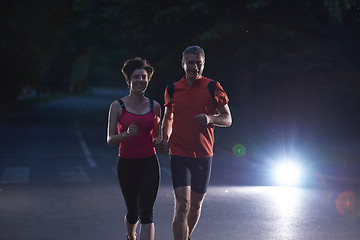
194	105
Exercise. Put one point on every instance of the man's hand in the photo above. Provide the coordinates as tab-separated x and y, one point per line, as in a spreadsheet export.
203	119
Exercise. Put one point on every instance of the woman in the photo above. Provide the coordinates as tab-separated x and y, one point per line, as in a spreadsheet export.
134	125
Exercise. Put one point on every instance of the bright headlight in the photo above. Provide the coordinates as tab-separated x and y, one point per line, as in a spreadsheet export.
288	173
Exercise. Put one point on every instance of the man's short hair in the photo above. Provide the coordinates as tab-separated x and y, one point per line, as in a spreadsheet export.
194	50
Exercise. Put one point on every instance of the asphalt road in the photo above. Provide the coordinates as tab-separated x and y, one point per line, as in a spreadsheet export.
58	181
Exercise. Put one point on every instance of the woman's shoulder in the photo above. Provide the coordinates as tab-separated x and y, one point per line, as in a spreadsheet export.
156	107
156	103
123	99
116	104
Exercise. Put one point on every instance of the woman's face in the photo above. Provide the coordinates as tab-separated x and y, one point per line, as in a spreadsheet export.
139	80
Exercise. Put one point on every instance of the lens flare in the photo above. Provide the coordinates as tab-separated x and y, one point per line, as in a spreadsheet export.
239	150
79	70
348	203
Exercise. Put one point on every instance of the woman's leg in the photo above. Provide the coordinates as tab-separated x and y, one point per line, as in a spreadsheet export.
150	179
147	231
129	183
130	229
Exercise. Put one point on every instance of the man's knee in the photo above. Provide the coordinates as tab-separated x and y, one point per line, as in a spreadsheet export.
182	205
196	204
182	199
196	200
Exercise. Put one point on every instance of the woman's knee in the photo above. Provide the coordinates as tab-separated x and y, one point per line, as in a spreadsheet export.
146	216
132	218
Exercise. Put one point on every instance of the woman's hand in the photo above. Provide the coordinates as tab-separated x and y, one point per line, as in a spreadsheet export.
161	145
132	130
157	142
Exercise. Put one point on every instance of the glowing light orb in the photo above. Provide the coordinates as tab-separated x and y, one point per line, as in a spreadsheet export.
239	150
288	174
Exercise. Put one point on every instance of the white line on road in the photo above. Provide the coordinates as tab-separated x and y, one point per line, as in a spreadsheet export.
113	169
166	170
15	175
86	151
73	174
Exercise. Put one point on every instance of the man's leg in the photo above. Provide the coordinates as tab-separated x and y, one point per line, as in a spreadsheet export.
200	175
195	210
181	211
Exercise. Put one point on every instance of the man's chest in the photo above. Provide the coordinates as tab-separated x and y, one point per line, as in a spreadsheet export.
195	100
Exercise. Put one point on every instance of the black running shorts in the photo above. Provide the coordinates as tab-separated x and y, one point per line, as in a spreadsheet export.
194	172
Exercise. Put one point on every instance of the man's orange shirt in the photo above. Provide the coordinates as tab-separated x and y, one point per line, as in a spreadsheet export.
189	138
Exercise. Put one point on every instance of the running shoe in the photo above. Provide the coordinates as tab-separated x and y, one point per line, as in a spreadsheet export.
127	237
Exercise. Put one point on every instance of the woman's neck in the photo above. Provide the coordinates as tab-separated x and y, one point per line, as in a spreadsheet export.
137	97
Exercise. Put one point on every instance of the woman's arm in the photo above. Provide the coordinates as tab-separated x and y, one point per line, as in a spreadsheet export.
113	138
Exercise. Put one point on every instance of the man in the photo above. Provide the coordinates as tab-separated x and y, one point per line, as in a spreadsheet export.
191	112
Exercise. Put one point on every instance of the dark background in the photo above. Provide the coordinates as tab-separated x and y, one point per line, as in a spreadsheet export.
290	68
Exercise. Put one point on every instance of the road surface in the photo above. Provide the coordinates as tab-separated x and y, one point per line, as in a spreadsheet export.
58	181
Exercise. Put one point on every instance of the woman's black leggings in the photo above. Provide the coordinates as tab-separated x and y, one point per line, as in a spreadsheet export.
139	181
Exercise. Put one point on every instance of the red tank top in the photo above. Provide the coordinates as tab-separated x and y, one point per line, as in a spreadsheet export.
140	146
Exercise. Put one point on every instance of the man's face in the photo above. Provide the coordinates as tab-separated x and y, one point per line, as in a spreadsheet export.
193	65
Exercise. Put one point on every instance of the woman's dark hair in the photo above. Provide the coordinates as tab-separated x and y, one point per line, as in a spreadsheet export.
136	63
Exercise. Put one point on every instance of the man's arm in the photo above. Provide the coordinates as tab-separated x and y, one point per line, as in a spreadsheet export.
222	119
157	113
166	128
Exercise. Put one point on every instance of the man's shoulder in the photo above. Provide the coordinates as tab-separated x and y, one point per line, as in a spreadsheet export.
179	82
211	82
176	85
207	79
